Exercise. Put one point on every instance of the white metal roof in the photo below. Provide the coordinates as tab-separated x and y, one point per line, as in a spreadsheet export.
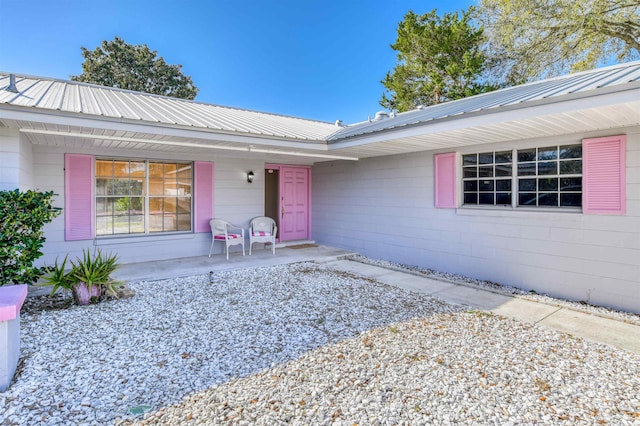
57	112
585	83
88	99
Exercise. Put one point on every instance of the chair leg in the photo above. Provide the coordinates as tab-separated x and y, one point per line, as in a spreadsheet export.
227	250
243	248
250	246
273	246
211	249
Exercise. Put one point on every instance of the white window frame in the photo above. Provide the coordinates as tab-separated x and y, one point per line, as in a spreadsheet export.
146	197
515	189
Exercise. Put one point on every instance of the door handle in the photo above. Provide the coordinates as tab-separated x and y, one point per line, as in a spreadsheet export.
283	212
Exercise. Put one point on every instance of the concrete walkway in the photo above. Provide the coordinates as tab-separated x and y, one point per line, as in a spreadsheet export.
616	333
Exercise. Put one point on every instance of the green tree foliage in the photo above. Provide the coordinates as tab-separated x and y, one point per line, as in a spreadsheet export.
24	215
532	39
440	58
134	67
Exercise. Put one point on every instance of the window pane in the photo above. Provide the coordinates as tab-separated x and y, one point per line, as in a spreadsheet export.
155	170
103	225
485	198
571	167
137	187
571	184
121	169
550	184
101	186
571	151
156	205
184	222
527	169
485	171
121	224
548	168
155	223
169	222
503	169
571	200
468	160
503	185
503	198
469	172
101	206
121	205
470	198
184	187
104	168
170	171
136	224
526	155
548	199
118	187
549	153
526	184
485	185
137	169
136	205
184	205
485	158
184	171
503	157
170	187
527	199
170	205
470	185
155	187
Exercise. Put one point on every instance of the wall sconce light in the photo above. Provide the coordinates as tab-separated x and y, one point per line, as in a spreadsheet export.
250	176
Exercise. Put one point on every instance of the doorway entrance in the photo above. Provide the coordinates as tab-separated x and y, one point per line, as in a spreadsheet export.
287	200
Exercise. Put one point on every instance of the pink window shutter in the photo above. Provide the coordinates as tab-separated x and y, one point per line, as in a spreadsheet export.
446	194
79	205
203	195
604	175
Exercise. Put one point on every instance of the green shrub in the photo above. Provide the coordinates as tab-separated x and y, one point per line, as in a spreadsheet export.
24	215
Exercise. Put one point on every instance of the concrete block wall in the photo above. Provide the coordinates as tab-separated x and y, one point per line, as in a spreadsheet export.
235	200
383	207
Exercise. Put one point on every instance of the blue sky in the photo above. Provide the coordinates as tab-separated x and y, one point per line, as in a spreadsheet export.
315	59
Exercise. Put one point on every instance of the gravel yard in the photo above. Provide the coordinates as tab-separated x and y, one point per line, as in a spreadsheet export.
304	344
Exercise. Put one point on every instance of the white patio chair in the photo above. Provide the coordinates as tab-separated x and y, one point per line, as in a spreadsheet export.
220	232
263	230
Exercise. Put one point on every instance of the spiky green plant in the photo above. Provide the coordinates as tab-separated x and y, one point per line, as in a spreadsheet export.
59	277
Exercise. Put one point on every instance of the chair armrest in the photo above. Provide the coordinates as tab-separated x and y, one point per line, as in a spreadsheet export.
275	230
236	227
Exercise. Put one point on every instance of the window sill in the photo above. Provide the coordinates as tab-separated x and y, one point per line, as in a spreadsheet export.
128	239
503	211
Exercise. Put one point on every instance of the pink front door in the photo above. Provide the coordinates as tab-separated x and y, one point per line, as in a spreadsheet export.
294	203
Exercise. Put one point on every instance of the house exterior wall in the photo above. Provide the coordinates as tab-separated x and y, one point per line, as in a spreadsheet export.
234	199
15	161
383	207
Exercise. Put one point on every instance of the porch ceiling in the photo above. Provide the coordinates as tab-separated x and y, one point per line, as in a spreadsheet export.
208	145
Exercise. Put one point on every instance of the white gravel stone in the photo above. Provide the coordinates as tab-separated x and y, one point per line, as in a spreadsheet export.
304	344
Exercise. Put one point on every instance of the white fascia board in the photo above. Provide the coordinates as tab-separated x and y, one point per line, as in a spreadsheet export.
47	117
250	148
489	117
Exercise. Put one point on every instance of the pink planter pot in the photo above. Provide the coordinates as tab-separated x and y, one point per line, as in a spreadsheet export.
84	294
